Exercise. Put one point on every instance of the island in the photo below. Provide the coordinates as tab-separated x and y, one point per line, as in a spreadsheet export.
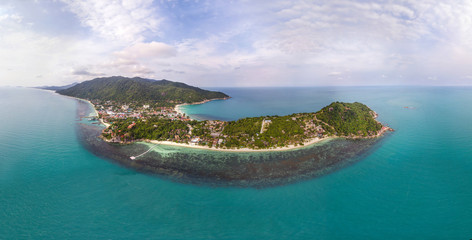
137	109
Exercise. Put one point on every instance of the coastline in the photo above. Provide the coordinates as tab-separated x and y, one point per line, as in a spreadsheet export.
307	143
277	149
178	109
84	100
227	167
287	148
94	109
187	145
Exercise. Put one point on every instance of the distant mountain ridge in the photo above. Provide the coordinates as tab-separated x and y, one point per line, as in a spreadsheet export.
55	88
123	89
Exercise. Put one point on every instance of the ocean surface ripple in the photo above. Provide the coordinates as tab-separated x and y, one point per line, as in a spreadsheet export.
412	184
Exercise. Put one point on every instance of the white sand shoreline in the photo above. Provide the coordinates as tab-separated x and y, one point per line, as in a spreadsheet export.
187	145
179	110
287	148
84	100
96	112
290	147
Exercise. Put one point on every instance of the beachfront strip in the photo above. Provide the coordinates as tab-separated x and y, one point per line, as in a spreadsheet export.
127	123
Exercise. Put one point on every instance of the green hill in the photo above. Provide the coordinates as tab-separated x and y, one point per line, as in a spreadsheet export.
354	120
350	118
124	90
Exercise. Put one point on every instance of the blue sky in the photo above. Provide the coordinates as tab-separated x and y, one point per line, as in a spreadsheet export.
237	43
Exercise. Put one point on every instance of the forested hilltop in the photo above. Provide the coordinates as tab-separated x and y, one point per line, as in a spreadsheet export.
353	120
123	90
350	119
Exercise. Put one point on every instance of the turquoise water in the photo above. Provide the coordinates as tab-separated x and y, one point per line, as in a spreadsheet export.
416	184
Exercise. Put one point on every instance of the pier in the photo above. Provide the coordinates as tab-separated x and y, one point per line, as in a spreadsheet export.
134	157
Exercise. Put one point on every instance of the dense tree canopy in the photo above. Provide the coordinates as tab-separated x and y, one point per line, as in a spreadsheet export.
126	90
349	118
338	119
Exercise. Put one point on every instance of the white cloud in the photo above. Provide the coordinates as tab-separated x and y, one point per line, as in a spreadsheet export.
297	42
122	20
335	74
141	70
26	54
414	37
14	17
147	50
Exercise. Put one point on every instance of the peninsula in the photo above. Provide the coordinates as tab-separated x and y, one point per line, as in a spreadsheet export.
136	109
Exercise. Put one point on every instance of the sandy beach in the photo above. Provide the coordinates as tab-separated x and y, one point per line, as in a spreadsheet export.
290	147
96	112
179	110
188	145
94	109
84	100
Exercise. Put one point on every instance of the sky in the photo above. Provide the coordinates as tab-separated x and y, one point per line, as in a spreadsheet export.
237	43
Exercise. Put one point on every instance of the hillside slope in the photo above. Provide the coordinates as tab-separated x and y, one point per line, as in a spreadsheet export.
350	118
123	89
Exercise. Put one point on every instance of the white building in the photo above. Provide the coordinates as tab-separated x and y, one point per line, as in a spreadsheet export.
195	141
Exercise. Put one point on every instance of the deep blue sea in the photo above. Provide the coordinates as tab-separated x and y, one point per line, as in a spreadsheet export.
416	184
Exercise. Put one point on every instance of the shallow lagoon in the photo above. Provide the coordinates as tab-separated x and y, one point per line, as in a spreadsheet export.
248	169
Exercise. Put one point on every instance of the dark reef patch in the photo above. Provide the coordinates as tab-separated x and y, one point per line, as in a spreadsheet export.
248	169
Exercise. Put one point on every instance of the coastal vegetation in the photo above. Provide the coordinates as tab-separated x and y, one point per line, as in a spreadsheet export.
140	91
137	109
352	120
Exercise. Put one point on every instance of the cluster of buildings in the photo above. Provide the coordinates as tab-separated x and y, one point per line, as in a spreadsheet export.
198	133
110	110
214	136
313	129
